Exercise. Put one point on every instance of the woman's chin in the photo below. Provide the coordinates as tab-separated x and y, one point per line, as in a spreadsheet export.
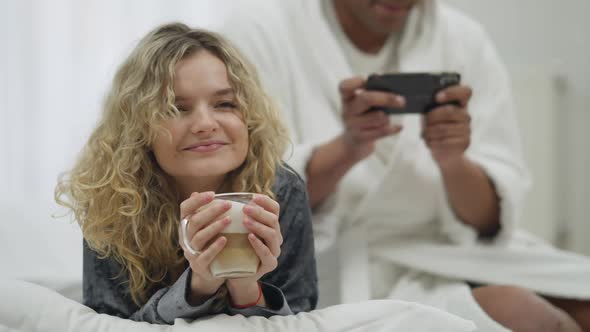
207	170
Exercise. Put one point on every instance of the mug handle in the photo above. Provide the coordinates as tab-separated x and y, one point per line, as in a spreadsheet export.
185	241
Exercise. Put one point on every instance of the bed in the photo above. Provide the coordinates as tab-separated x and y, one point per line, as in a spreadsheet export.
41	282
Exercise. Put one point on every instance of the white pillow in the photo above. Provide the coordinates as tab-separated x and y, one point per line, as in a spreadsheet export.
41	249
29	307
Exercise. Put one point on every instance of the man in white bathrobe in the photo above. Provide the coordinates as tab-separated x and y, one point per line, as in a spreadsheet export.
423	207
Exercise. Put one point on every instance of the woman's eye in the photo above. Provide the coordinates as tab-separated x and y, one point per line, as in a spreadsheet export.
226	104
181	109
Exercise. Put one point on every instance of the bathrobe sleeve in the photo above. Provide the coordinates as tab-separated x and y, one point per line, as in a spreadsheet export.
495	140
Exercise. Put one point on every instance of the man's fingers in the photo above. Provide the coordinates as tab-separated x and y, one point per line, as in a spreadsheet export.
444	130
455	93
366	99
449	142
368	120
447	114
380	132
348	87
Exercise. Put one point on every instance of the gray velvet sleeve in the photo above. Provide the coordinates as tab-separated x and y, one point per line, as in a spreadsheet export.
296	274
106	292
169	303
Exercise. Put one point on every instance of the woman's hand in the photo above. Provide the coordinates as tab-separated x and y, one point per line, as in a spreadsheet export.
205	222
262	220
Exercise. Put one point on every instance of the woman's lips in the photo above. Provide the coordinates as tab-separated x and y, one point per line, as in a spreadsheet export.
206	147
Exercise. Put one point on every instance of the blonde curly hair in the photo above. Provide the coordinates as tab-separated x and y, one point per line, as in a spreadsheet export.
127	207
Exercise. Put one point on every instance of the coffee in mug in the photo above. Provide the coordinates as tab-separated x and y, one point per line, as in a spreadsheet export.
237	259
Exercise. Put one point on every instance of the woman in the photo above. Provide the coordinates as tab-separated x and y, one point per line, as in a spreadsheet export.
186	118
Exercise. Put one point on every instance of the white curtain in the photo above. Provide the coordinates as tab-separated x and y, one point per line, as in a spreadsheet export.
57	59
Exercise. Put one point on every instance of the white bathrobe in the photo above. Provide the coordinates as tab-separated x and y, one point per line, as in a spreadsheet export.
391	209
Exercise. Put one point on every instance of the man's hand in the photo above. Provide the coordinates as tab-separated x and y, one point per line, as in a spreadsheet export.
363	128
447	129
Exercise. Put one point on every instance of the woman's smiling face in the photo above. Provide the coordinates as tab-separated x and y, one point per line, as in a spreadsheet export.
209	137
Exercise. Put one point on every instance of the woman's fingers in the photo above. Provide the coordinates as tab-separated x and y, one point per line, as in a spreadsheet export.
206	224
194	202
271	237
267	203
205	235
206	215
261	215
268	261
208	255
263	220
200	263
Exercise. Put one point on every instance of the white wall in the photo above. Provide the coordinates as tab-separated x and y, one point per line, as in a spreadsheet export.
553	37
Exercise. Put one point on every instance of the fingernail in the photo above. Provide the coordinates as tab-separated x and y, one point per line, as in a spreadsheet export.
193	194
358	92
441	96
401	100
247	221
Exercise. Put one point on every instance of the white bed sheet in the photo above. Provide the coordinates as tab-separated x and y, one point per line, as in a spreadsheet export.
28	307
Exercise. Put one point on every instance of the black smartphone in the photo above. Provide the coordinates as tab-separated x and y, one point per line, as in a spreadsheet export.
419	89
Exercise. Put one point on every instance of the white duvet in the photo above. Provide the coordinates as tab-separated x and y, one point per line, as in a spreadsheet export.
29	307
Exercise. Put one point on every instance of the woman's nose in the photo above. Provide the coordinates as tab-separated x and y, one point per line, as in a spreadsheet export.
203	121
